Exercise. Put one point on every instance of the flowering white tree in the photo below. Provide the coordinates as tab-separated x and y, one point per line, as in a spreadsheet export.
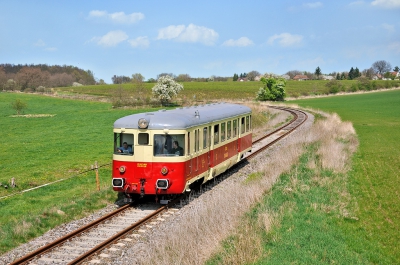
166	88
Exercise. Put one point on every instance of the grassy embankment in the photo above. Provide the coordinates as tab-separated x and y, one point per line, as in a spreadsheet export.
315	214
374	180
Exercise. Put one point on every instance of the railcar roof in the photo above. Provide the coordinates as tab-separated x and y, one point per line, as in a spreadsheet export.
182	118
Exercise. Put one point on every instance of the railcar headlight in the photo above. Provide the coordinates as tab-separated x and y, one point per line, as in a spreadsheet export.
162	184
143	123
118	182
122	169
164	171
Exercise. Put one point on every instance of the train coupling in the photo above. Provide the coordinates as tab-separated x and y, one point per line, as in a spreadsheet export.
128	200
164	201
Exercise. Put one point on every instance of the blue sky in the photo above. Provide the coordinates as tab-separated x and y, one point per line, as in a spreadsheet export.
200	38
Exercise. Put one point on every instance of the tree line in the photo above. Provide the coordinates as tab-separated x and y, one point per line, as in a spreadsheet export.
40	76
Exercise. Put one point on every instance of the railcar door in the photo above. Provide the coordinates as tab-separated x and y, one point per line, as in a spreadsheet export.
189	156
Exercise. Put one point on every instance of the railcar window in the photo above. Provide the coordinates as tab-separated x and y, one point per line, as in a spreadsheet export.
188	144
242	126
143	139
234	128
205	137
169	144
196	140
228	128
222	131
247	123
216	134
251	123
123	144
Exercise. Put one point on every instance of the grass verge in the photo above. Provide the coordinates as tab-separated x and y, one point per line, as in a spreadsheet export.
374	177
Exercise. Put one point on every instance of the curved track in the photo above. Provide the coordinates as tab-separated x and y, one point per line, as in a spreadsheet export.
126	222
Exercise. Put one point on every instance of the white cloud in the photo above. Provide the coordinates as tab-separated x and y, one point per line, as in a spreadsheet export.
313	5
191	33
140	42
51	49
40	43
112	38
170	32
97	13
117	17
286	39
241	42
386	3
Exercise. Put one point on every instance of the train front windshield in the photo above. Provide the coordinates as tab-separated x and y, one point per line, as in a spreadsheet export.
123	144
169	144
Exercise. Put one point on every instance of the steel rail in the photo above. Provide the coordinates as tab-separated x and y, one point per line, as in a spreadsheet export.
61	240
104	244
293	112
119	235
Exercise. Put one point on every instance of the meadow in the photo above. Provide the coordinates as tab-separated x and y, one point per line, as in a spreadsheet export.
211	91
64	143
59	139
374	179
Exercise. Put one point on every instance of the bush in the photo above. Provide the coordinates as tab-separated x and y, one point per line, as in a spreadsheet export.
18	105
165	89
364	83
274	89
334	86
388	84
354	87
40	89
374	85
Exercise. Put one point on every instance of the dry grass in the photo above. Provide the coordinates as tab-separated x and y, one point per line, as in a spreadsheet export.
218	215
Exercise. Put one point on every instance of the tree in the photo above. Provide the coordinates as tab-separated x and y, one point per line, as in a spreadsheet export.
61	80
235	77
31	78
357	73
293	73
3	77
317	72
164	74
396	69
183	78
165	89
381	67
369	73
10	85
18	105
351	74
120	79
252	75
274	89
137	77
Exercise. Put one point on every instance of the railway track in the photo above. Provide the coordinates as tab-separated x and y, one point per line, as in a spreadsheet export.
127	222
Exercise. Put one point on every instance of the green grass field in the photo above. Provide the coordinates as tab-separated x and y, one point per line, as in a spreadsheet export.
211	91
375	177
39	150
77	133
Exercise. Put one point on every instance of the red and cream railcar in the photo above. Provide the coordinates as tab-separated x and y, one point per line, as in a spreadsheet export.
168	150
